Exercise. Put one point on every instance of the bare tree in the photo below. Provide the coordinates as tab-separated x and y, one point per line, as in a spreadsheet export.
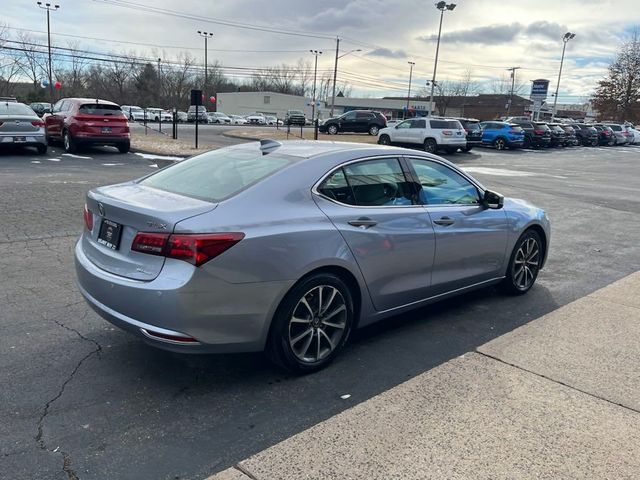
9	66
448	90
502	85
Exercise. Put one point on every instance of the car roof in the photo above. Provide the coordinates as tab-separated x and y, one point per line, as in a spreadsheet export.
90	100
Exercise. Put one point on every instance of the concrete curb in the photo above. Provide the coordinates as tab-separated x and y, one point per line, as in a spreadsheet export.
523	405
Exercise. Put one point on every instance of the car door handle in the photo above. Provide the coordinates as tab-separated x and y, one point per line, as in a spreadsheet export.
363	222
444	221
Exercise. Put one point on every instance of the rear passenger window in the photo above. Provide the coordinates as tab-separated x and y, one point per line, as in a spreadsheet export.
371	183
443	186
418	124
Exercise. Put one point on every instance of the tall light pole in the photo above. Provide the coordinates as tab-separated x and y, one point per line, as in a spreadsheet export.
411	64
442	6
335	71
316	53
567	36
206	36
49	8
513	83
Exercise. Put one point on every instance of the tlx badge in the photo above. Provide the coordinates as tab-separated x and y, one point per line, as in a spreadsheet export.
162	226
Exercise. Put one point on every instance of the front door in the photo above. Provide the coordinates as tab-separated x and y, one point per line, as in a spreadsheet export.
471	240
388	232
348	122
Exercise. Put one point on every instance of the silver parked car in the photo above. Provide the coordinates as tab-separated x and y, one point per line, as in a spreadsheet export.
19	125
289	246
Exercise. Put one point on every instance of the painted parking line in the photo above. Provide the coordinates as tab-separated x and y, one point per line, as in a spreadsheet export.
503	172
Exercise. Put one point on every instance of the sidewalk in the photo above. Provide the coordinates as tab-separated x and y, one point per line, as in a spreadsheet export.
556	398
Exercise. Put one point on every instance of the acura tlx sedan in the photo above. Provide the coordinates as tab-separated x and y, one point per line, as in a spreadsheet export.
287	247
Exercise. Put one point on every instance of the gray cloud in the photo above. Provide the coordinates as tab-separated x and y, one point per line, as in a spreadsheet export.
502	33
387	52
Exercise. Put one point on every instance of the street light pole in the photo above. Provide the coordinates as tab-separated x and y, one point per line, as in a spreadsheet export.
206	36
513	83
316	53
567	36
442	6
49	8
411	64
335	72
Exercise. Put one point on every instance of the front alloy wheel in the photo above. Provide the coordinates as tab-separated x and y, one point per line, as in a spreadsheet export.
384	140
525	263
332	129
69	145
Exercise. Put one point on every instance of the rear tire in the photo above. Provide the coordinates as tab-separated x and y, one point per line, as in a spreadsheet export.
124	147
430	145
373	130
524	264
500	144
467	149
300	341
69	145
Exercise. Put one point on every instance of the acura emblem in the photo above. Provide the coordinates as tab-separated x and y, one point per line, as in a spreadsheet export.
101	209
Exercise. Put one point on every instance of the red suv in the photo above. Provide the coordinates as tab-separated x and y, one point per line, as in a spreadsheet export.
87	121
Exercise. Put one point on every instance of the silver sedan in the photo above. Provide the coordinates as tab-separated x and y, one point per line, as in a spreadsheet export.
288	247
20	126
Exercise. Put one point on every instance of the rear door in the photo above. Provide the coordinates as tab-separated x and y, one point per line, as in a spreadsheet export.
390	235
471	240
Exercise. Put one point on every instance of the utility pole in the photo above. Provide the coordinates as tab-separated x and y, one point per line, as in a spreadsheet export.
411	64
316	53
49	8
335	71
442	6
513	83
206	36
567	36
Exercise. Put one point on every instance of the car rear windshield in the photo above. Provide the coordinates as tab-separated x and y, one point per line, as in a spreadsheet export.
217	175
441	124
12	108
516	128
616	128
295	112
472	125
542	126
99	109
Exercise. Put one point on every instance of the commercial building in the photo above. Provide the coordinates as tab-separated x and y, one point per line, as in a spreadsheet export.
269	103
391	107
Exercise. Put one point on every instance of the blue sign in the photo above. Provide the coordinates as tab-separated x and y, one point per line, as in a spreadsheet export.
539	89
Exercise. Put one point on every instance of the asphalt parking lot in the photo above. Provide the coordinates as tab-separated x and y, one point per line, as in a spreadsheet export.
81	399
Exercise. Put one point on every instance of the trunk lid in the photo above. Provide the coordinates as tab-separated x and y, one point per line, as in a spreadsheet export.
135	208
18	124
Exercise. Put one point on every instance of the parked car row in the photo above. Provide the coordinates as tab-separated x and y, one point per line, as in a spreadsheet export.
452	134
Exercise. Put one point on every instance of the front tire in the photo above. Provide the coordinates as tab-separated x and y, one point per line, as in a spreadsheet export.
384	140
524	264
332	129
312	324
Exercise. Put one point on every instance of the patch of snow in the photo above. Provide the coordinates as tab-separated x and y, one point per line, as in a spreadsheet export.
112	164
151	156
75	156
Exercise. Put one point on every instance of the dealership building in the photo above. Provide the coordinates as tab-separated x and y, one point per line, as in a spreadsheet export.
269	103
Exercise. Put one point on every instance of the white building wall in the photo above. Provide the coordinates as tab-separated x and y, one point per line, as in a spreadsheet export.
269	103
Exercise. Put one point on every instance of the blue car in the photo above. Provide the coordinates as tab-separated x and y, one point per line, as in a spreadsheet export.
502	135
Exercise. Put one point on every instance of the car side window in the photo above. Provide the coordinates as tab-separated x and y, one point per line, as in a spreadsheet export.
370	183
418	124
349	116
56	107
405	124
443	186
363	115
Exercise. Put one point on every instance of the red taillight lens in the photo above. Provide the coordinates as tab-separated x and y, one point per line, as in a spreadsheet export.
447	133
539	132
196	249
37	123
88	218
152	243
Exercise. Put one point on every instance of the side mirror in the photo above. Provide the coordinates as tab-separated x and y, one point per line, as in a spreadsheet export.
493	200
396	127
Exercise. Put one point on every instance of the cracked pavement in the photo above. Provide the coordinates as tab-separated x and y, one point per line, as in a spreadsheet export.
82	399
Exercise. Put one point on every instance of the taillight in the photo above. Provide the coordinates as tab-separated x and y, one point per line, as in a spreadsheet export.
37	123
195	248
539	132
447	133
88	218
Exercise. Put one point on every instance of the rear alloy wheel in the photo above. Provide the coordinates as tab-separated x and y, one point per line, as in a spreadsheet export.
384	140
430	145
69	144
373	130
524	264
499	144
311	324
332	129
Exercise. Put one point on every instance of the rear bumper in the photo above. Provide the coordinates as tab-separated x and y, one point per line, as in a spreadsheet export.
183	300
453	142
30	139
100	140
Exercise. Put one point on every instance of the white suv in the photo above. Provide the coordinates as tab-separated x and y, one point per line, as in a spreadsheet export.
432	133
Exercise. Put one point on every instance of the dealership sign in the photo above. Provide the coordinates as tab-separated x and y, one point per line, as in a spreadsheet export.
539	89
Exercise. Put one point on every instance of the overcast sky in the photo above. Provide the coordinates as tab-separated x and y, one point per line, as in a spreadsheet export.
482	36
